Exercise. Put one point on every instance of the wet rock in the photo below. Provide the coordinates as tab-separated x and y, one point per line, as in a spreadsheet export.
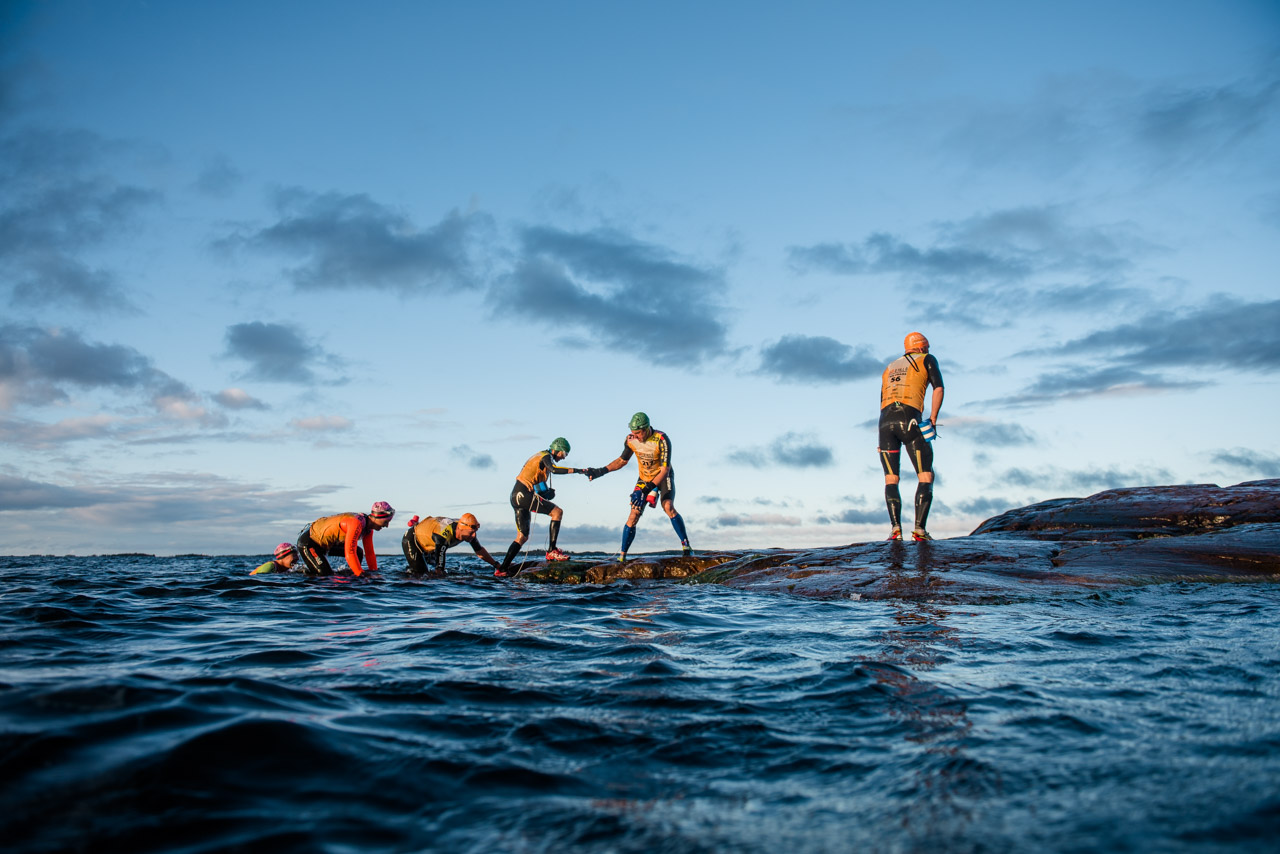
1115	538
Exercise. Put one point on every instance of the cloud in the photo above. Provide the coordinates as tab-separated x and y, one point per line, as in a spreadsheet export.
1126	359
987	507
238	398
275	352
737	520
1224	332
322	424
36	364
1047	481
184	513
219	178
25	433
352	241
998	435
1185	125
1251	462
855	516
1003	246
817	359
1072	121
790	450
56	205
616	292
473	459
20	494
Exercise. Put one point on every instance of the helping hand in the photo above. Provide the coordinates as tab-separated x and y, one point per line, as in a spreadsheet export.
593	472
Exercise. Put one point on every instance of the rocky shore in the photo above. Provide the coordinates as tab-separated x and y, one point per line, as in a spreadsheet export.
1116	538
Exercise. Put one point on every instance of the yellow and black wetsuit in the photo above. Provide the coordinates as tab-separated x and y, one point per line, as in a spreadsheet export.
902	392
652	454
425	544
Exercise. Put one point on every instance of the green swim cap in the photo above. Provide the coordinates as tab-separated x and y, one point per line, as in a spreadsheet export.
639	421
560	444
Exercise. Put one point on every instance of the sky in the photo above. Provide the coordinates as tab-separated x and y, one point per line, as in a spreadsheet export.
265	262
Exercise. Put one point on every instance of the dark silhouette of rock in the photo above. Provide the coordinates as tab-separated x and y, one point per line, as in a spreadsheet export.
1112	539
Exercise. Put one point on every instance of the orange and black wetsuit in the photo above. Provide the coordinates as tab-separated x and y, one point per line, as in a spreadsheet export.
532	492
337	535
902	391
425	544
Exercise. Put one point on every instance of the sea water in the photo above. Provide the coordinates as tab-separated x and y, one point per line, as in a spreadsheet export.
178	704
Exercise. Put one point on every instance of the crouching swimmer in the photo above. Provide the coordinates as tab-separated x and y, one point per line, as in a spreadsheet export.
286	556
338	535
427	541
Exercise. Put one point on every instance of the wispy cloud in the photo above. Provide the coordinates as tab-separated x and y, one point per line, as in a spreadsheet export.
1058	482
276	352
58	202
322	424
184	513
353	241
790	450
36	366
472	458
1223	332
737	520
1160	129
1251	463
238	398
817	359
615	291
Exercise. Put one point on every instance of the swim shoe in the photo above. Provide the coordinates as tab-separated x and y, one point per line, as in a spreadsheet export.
622	558
920	536
498	573
687	551
556	554
895	534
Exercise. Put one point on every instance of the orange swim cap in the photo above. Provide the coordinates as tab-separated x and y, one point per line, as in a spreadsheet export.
916	343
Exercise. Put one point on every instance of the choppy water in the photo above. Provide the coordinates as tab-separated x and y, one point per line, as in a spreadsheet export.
178	704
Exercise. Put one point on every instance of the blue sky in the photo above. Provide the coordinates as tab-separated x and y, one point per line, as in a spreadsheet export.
265	262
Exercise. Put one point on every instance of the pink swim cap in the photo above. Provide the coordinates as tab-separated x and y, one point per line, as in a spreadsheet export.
382	510
284	550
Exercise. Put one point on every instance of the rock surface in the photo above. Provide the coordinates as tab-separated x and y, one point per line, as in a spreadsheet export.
1115	538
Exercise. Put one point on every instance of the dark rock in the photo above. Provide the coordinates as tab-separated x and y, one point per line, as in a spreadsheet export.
1116	538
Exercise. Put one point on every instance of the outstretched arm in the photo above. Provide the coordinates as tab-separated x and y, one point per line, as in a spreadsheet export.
484	554
351	531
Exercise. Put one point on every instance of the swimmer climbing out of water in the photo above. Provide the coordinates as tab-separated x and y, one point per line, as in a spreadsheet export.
283	561
532	494
652	450
426	542
338	535
902	392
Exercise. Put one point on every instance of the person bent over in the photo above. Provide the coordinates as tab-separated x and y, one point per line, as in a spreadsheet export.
426	542
902	392
339	535
532	494
286	556
652	450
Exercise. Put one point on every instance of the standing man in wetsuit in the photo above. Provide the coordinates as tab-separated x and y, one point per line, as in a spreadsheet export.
337	535
532	494
426	542
902	389
652	450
